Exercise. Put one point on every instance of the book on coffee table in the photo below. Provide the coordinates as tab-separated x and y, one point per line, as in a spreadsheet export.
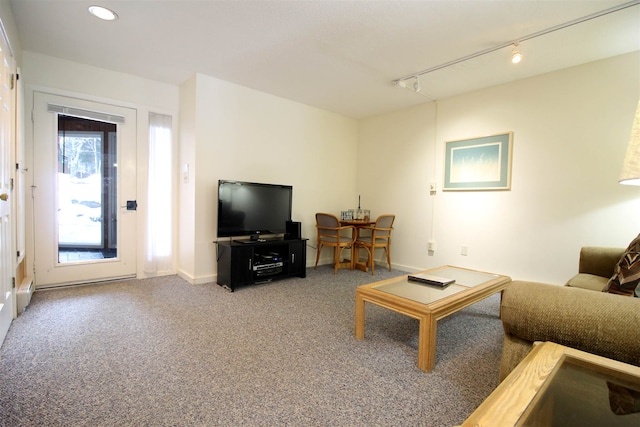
430	279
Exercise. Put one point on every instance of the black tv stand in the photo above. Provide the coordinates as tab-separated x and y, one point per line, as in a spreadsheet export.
245	261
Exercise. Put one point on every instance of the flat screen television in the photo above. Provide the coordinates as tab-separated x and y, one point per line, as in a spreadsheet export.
252	209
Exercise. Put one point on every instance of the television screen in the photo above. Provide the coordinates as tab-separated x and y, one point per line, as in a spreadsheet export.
249	208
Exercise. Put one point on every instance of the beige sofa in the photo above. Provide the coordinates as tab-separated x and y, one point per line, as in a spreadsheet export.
595	267
577	315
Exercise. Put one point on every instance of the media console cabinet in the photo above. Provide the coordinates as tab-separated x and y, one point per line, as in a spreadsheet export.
244	262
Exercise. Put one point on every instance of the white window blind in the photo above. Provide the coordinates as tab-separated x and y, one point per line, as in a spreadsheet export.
87	114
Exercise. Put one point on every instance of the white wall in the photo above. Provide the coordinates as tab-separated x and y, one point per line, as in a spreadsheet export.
57	76
570	133
227	132
243	134
395	166
186	188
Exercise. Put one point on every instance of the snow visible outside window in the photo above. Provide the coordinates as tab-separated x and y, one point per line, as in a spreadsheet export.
80	189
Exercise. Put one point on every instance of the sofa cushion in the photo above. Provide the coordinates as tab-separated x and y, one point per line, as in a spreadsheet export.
586	320
599	260
626	275
588	281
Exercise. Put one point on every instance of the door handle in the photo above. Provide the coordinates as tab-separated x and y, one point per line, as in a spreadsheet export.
131	205
4	197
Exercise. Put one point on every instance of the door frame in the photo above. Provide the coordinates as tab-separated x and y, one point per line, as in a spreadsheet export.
44	262
9	120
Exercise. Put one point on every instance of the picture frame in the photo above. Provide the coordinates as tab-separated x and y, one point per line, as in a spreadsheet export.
478	164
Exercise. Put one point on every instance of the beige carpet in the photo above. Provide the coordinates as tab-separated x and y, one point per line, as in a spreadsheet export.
162	352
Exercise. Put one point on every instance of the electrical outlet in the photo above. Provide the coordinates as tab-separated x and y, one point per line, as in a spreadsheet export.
464	250
431	245
433	187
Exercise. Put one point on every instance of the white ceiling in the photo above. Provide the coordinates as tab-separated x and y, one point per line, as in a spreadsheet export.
337	55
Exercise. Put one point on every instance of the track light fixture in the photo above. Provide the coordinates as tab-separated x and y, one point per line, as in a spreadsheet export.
415	87
516	56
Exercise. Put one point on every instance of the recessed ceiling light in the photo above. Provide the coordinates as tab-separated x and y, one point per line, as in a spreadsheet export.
103	13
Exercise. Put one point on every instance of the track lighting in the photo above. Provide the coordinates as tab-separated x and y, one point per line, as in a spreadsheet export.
416	84
516	56
415	87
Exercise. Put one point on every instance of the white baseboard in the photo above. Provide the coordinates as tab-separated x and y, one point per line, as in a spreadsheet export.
197	280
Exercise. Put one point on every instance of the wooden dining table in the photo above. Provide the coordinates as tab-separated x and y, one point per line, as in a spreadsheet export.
357	224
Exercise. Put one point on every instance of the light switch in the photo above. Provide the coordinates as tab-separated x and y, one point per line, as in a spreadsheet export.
185	173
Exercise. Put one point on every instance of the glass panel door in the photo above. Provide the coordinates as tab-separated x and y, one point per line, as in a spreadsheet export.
84	191
87	189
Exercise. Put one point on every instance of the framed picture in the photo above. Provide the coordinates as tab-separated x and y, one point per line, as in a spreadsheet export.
479	163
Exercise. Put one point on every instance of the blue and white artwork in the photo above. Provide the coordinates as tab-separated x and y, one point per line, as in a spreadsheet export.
479	163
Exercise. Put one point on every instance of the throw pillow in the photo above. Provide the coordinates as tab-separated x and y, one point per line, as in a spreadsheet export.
626	275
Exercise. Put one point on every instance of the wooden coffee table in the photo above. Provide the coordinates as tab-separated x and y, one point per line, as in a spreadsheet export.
561	386
428	303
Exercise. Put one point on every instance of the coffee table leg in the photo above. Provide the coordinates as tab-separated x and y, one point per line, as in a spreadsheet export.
359	316
427	343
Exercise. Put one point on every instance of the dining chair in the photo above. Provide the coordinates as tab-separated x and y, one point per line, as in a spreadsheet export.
332	234
380	237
